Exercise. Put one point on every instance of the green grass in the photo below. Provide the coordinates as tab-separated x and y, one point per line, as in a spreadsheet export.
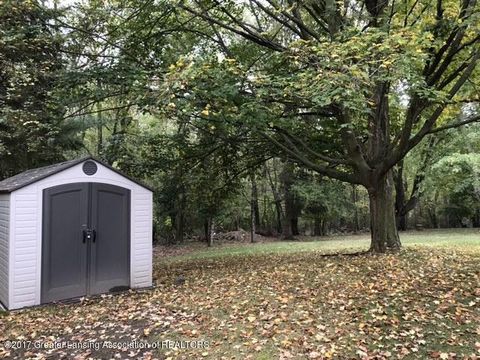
459	239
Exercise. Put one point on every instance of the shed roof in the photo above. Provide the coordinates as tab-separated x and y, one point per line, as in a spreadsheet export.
33	175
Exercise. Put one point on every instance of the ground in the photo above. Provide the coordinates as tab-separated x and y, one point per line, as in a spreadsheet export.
278	300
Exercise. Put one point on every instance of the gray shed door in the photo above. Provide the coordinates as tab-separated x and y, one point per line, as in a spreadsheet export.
86	240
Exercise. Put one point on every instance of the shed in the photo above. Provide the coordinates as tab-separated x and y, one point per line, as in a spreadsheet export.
70	230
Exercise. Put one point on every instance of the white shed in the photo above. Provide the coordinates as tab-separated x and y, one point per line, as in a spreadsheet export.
73	229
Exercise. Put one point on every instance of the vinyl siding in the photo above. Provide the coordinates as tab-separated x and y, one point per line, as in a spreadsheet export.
24	258
141	262
27	232
4	248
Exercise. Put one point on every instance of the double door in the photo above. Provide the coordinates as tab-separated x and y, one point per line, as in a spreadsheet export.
86	240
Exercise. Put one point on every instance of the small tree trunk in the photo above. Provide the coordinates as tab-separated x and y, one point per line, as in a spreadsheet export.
401	221
256	209
179	226
287	233
295	230
205	230
277	198
179	218
432	217
356	223
317	227
287	179
252	224
384	234
476	219
236	223
208	231
254	215
278	213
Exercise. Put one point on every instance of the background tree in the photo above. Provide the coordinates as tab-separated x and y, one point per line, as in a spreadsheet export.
33	131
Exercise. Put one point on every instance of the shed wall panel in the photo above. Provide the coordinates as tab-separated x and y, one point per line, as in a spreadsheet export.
4	247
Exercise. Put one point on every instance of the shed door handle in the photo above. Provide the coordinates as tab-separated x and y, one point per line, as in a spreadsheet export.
89	234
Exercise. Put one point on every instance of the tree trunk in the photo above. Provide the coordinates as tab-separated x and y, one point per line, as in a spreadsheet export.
317	227
277	199
287	233
403	205
208	231
384	234
256	210
278	217
179	218
433	219
356	223
295	230
401	221
252	224
254	213
179	226
401	216
287	179
476	219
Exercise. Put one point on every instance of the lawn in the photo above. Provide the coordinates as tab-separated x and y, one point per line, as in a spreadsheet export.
283	300
467	240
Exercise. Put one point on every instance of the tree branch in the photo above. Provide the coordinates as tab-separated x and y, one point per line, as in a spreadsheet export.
249	35
328	171
427	126
309	149
473	119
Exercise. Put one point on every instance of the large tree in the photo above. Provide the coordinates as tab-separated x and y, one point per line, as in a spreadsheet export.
346	89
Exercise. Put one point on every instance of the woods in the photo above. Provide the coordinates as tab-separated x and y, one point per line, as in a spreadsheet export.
271	179
281	118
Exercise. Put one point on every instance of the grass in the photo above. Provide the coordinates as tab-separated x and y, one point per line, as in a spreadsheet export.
284	300
459	239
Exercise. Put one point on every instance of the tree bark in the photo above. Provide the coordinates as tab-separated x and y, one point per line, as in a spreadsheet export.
401	221
401	215
254	213
208	231
255	207
356	223
384	234
317	227
476	219
252	224
286	178
179	218
277	199
295	230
